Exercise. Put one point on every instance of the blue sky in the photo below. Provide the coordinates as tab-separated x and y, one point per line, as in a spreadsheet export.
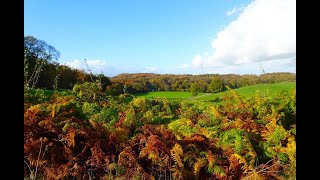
167	36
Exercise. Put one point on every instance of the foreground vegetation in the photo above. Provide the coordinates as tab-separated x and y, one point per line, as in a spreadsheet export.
87	134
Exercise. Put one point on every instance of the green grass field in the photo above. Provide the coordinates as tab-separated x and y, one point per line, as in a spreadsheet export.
248	91
166	94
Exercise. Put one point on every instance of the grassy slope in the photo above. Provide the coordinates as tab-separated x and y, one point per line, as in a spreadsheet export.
250	91
245	91
166	94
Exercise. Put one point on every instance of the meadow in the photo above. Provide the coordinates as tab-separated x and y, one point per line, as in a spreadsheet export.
271	89
167	94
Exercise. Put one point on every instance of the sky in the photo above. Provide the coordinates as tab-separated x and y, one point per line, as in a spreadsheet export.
168	36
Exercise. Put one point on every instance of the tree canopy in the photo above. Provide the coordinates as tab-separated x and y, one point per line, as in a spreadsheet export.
37	54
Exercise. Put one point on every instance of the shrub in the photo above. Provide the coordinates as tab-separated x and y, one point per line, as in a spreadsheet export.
87	91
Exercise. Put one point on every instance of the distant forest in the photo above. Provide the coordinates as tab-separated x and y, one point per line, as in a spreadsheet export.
212	83
38	53
147	82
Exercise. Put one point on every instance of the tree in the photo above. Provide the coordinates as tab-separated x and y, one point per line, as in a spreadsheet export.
81	76
102	80
194	88
202	86
115	89
67	77
216	85
175	85
184	85
37	54
47	76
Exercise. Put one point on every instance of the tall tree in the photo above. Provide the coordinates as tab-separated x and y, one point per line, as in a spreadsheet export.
194	88
37	54
216	85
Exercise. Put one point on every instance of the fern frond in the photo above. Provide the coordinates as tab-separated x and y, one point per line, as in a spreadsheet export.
274	133
241	160
211	160
126	158
177	174
177	153
291	149
151	153
201	162
238	143
207	132
254	175
70	138
251	154
183	127
218	171
53	112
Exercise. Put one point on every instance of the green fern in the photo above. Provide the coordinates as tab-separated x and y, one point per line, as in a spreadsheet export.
274	133
218	171
183	127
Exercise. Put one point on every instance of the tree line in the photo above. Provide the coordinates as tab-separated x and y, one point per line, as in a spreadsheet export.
205	83
41	70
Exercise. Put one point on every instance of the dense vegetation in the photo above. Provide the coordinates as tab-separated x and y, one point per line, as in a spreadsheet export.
205	83
85	135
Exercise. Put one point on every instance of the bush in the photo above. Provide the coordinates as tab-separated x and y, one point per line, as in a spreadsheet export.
87	91
35	96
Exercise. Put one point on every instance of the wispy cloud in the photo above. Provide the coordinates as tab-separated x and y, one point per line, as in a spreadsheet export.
264	31
150	69
76	63
98	66
234	10
95	65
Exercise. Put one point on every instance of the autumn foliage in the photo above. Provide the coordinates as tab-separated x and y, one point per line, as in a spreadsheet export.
123	137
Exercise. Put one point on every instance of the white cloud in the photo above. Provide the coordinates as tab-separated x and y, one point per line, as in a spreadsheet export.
96	66
150	69
197	61
278	65
77	64
264	31
231	11
234	10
